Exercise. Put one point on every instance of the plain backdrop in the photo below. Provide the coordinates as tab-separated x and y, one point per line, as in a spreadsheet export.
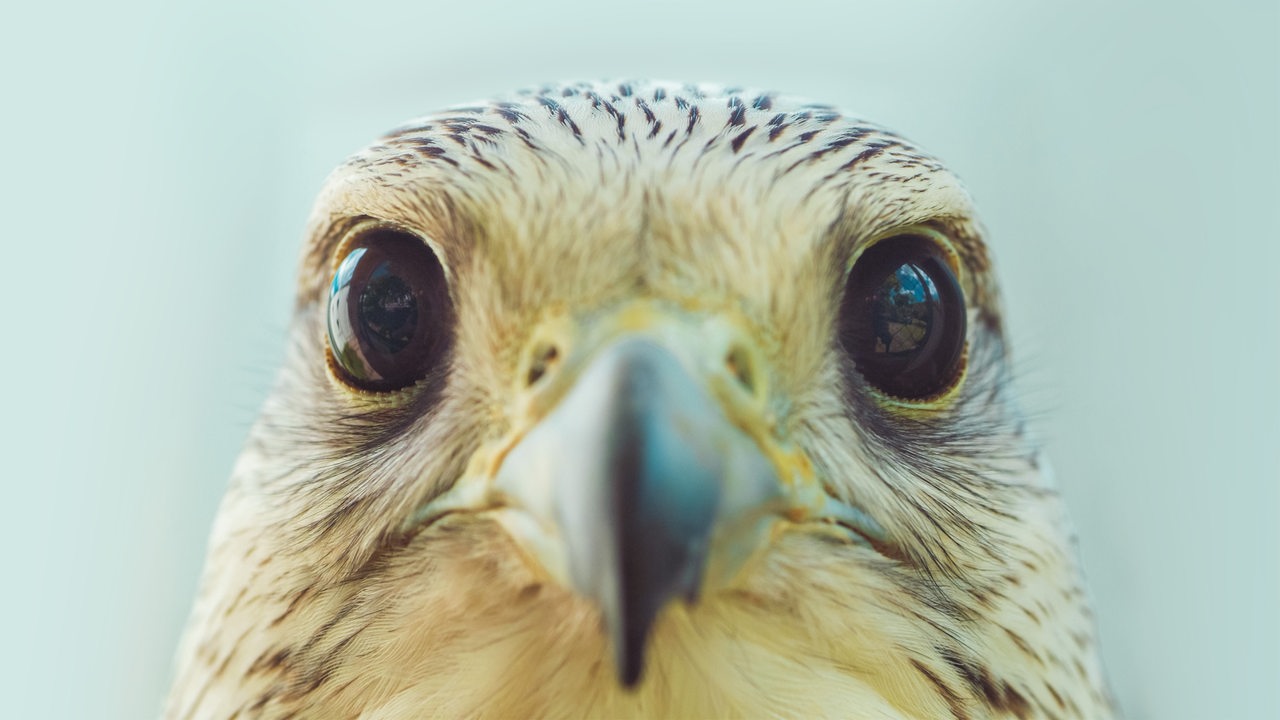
159	159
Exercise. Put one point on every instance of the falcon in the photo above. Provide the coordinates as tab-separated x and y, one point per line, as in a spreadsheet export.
642	400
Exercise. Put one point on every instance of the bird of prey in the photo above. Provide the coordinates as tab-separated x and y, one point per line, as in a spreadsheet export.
642	399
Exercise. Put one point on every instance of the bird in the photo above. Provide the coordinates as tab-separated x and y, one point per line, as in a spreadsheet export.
642	399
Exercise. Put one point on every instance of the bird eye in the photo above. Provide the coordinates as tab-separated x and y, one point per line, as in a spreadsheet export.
389	311
902	319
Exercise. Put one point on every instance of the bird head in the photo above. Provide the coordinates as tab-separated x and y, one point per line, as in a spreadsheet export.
642	399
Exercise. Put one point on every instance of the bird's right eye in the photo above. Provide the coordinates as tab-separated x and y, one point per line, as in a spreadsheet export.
390	317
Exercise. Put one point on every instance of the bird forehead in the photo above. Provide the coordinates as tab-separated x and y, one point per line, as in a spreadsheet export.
724	178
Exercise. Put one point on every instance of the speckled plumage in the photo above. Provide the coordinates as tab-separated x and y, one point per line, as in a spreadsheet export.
321	600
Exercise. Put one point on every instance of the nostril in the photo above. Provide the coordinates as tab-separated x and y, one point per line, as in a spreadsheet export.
738	362
544	356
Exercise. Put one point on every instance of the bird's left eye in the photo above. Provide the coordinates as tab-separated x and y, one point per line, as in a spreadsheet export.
902	319
389	311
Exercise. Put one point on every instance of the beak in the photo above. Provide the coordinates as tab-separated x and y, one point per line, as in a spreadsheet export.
641	456
653	476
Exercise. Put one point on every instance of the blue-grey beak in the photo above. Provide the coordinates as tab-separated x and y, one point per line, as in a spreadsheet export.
640	454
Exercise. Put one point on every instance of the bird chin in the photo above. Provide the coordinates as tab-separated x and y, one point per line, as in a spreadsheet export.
745	532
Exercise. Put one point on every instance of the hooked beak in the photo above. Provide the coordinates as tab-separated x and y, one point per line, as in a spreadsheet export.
641	455
654	477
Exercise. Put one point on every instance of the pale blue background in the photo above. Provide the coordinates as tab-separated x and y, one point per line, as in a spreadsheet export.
158	161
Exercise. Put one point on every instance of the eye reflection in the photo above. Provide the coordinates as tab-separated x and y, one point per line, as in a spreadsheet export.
389	311
902	315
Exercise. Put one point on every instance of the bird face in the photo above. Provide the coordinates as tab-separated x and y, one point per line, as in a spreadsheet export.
642	400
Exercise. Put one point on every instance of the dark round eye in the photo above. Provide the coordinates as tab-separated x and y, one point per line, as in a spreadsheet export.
902	319
390	319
